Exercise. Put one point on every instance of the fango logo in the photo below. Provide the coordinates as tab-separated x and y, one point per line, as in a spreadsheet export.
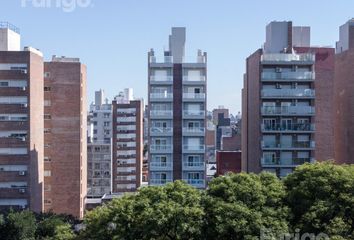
66	5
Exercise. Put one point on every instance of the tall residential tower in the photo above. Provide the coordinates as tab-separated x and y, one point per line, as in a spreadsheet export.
177	114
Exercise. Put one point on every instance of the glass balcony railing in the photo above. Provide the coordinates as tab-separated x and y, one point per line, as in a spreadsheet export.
161	148
288	127
193	113
194	95
161	113
288	110
287	57
161	164
194	147
195	182
167	78
161	130
194	78
157	181
288	76
286	145
193	164
161	95
283	161
303	93
194	130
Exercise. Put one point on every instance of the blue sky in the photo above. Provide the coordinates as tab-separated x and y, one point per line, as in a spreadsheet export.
112	37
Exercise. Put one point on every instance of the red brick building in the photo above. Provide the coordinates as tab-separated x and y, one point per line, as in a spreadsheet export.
65	136
228	161
344	95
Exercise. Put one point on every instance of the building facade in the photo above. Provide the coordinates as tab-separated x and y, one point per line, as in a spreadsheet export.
127	143
21	123
65	136
177	114
228	162
281	111
344	95
99	147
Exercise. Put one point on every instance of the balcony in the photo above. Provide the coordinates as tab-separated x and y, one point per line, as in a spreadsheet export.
166	59
194	79
159	131
156	80
288	76
198	183
196	166
194	148
278	162
295	145
194	114
160	166
158	181
288	110
290	128
161	114
161	97
195	131
161	148
194	97
288	93
271	58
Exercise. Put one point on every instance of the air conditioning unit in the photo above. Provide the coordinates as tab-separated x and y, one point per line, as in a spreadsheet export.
23	88
23	139
22	190
25	105
22	173
24	71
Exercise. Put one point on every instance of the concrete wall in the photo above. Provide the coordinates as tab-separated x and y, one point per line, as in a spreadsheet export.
9	40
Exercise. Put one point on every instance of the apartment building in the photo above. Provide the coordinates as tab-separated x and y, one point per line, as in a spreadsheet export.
127	142
287	102
177	114
217	111
65	136
99	150
344	95
21	123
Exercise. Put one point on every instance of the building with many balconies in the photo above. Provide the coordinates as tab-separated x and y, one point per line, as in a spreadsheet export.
287	102
177	114
21	123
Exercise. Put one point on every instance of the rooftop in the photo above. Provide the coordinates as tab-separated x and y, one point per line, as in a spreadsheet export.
9	26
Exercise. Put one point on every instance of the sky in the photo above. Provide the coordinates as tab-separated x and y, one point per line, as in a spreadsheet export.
112	37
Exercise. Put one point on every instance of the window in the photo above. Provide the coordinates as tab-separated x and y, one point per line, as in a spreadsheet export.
4	84
47	173
47	159
47	117
48	201
106	115
106	124
94	114
95	131
47	89
47	145
94	123
47	130
47	74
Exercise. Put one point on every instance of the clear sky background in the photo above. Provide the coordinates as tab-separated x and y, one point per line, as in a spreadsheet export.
112	37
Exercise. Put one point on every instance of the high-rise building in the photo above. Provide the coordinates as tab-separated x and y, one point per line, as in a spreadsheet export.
21	123
99	150
344	95
177	114
284	122
127	142
217	111
65	136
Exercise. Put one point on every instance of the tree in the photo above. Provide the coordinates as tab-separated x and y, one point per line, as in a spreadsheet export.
240	206
321	199
171	212
18	226
54	227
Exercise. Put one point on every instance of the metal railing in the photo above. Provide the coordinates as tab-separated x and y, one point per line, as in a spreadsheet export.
281	57
294	144
288	110
288	127
288	75
194	130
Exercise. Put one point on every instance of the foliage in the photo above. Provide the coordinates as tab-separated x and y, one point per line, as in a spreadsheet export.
321	199
240	206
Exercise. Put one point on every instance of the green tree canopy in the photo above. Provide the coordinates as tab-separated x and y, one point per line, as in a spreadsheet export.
321	199
171	212
240	206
